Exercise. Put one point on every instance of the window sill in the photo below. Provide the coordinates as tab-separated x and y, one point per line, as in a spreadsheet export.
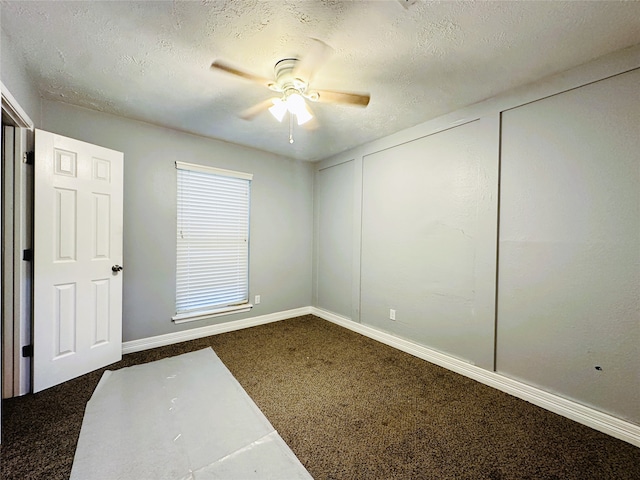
204	314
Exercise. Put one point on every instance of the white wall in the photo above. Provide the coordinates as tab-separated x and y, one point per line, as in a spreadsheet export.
561	175
281	216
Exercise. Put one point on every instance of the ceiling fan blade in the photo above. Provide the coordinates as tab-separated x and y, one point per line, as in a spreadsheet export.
313	60
251	112
225	67
330	96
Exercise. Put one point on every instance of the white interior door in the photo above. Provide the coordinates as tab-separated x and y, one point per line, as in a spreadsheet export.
77	249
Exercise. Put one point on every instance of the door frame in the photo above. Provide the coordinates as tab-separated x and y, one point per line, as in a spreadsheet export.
17	377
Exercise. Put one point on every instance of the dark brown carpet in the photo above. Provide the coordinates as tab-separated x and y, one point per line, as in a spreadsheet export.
350	408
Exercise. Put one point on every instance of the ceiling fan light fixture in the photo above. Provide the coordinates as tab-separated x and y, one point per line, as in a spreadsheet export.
295	105
279	109
298	107
303	115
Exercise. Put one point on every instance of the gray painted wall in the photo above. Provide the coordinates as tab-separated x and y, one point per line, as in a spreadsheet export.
569	289
569	256
335	236
281	216
428	241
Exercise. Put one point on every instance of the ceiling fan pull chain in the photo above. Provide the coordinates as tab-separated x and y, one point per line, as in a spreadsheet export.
290	128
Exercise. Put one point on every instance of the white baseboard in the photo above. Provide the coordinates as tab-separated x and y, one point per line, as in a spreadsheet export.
192	334
590	417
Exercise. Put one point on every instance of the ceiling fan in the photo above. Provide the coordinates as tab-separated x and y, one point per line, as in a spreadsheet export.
292	78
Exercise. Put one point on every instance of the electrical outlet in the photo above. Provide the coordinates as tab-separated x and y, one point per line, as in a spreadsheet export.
257	300
392	314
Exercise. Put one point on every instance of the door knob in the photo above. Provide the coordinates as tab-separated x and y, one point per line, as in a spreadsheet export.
116	268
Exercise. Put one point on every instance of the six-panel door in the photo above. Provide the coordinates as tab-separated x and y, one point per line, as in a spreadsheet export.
77	241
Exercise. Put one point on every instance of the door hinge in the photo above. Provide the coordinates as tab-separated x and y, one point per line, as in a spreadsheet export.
27	351
27	255
29	157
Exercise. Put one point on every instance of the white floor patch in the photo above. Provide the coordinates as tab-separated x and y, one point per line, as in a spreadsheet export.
180	418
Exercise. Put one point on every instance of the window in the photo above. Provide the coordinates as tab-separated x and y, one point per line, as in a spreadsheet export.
212	267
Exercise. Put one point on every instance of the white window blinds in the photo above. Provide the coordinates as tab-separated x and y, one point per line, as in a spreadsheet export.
212	239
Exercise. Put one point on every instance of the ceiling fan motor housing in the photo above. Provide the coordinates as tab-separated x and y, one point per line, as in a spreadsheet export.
285	80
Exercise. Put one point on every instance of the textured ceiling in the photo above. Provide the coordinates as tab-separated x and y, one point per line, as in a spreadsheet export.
150	60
